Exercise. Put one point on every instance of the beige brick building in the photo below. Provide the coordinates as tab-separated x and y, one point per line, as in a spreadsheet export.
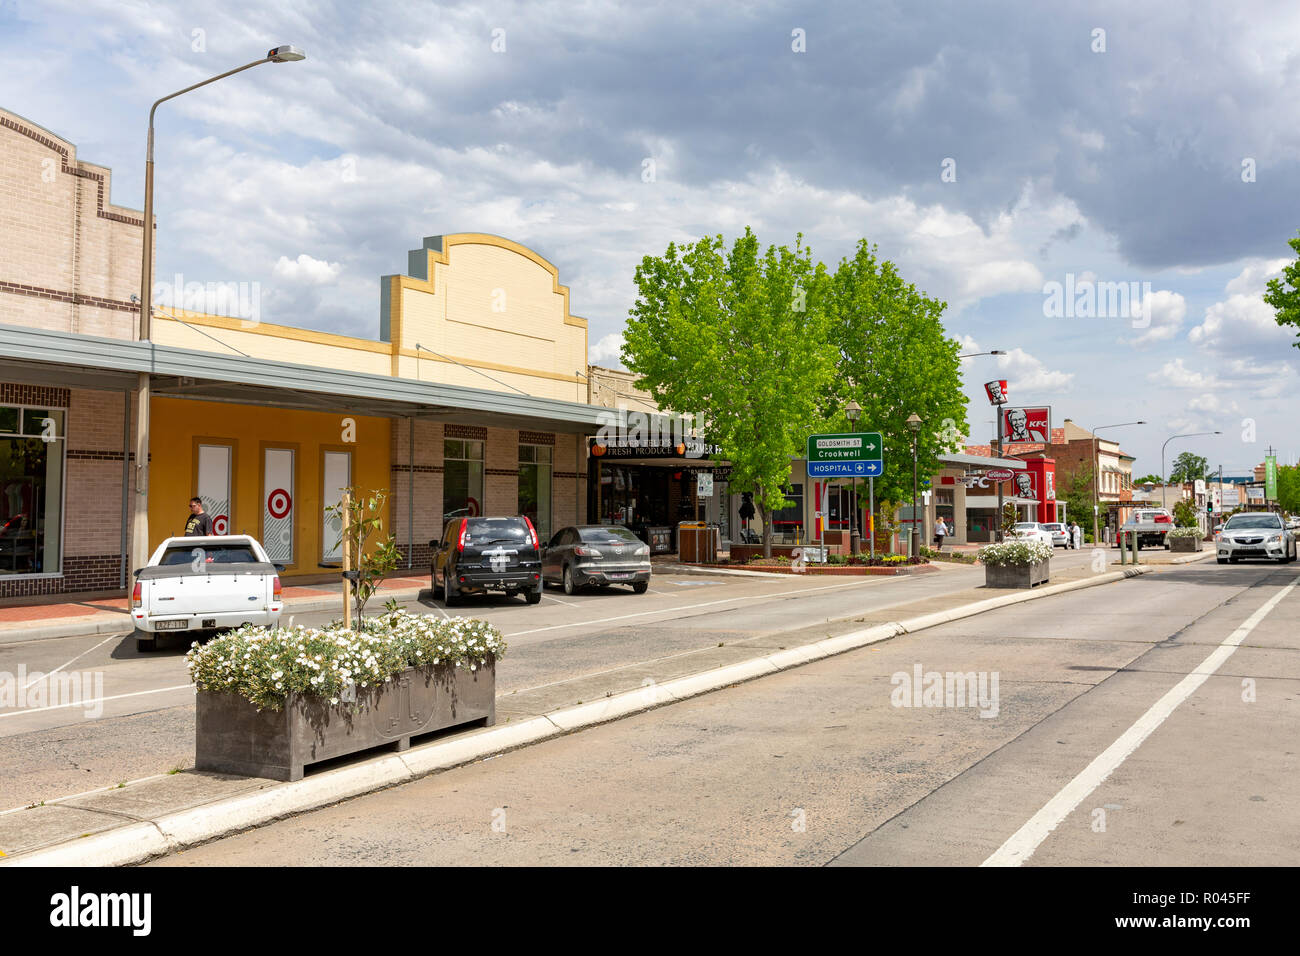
472	398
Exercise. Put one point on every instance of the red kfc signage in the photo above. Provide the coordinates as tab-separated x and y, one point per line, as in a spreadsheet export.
997	391
1027	424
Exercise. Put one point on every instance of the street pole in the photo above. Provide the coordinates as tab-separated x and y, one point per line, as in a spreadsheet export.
915	539
140	514
1096	491
871	513
997	524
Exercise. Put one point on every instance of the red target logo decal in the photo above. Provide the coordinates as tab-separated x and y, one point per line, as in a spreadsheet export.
279	503
221	524
472	504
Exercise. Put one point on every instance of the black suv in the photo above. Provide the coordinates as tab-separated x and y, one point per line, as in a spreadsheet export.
477	555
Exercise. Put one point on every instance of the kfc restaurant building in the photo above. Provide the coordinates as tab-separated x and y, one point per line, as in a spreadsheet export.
965	494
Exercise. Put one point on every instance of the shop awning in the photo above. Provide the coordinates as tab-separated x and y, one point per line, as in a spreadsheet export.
43	357
957	460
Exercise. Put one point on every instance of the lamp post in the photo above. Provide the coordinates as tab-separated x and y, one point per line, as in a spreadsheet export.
140	530
973	354
852	412
914	423
1096	469
1164	480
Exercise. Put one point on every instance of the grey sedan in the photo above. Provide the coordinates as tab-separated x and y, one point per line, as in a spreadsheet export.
596	554
1255	535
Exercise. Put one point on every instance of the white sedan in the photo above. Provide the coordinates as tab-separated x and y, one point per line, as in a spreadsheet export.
1031	531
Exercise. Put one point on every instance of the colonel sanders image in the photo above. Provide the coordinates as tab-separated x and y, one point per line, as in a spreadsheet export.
995	392
1025	484
1016	420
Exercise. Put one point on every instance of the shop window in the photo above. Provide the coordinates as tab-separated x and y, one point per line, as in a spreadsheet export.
278	492
336	477
32	449
462	478
789	521
535	487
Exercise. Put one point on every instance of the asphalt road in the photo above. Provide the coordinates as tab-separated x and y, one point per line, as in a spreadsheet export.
1151	721
142	721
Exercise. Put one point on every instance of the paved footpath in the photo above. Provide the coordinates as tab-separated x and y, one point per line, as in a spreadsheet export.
1170	743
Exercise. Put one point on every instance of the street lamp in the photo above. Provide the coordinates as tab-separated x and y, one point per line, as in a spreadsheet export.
1164	481
1096	469
140	533
973	354
914	423
853	411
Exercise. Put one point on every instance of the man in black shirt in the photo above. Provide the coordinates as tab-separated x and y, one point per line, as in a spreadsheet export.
198	524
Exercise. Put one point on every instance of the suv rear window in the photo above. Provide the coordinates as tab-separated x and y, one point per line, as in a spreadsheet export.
484	531
610	534
209	554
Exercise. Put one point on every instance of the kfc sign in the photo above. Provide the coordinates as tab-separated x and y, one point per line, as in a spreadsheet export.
997	392
1027	424
1024	481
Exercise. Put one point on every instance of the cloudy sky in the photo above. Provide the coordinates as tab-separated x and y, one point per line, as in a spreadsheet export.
991	150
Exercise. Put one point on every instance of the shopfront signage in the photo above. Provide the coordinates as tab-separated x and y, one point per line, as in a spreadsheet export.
1027	424
626	448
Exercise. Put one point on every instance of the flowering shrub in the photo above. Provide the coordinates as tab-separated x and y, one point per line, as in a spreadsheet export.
264	665
1192	532
1014	553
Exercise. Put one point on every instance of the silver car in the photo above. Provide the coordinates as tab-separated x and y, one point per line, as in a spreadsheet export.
1060	538
596	554
1255	535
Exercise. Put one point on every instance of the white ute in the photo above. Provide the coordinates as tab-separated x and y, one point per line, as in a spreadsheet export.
204	584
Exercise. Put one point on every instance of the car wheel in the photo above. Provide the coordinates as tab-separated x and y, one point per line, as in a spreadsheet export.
534	596
1222	560
433	586
146	645
640	587
568	581
450	597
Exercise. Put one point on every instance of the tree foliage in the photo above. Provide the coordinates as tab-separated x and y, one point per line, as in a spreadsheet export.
737	337
1284	294
1187	467
769	347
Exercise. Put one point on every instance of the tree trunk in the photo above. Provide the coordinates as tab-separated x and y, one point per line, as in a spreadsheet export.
767	527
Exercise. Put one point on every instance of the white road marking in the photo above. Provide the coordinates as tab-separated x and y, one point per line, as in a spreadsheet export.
686	607
86	704
42	677
558	601
1022	844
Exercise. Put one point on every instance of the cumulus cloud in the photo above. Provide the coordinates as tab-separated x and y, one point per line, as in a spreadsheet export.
1163	311
307	270
608	351
1176	374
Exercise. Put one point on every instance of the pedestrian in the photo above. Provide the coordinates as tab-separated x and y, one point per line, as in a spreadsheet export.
940	532
1076	535
198	524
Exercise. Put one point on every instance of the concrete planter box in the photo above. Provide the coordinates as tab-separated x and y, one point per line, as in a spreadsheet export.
1016	575
1183	544
232	736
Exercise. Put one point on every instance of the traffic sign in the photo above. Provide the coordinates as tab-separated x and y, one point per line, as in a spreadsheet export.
845	469
848	455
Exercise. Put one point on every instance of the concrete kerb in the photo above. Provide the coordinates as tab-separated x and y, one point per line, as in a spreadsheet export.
141	841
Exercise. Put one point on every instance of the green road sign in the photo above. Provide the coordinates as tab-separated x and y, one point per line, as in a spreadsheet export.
1270	478
850	446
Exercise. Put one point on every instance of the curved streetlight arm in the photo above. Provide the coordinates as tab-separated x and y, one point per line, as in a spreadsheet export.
213	79
1164	479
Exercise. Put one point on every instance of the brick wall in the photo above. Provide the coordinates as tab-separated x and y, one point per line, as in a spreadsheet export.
69	258
501	472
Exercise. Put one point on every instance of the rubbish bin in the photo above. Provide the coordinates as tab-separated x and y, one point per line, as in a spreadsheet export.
697	542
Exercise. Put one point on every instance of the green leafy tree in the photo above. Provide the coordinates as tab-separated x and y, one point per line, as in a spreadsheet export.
894	358
362	517
1284	294
1149	480
739	338
1288	488
1187	467
1075	489
1184	513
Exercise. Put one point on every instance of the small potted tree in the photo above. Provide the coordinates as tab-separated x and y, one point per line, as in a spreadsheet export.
1186	534
1015	563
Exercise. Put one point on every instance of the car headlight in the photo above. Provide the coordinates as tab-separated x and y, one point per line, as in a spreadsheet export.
1273	538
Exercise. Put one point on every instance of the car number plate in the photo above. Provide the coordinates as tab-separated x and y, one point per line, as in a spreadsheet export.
621	575
171	625
209	622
